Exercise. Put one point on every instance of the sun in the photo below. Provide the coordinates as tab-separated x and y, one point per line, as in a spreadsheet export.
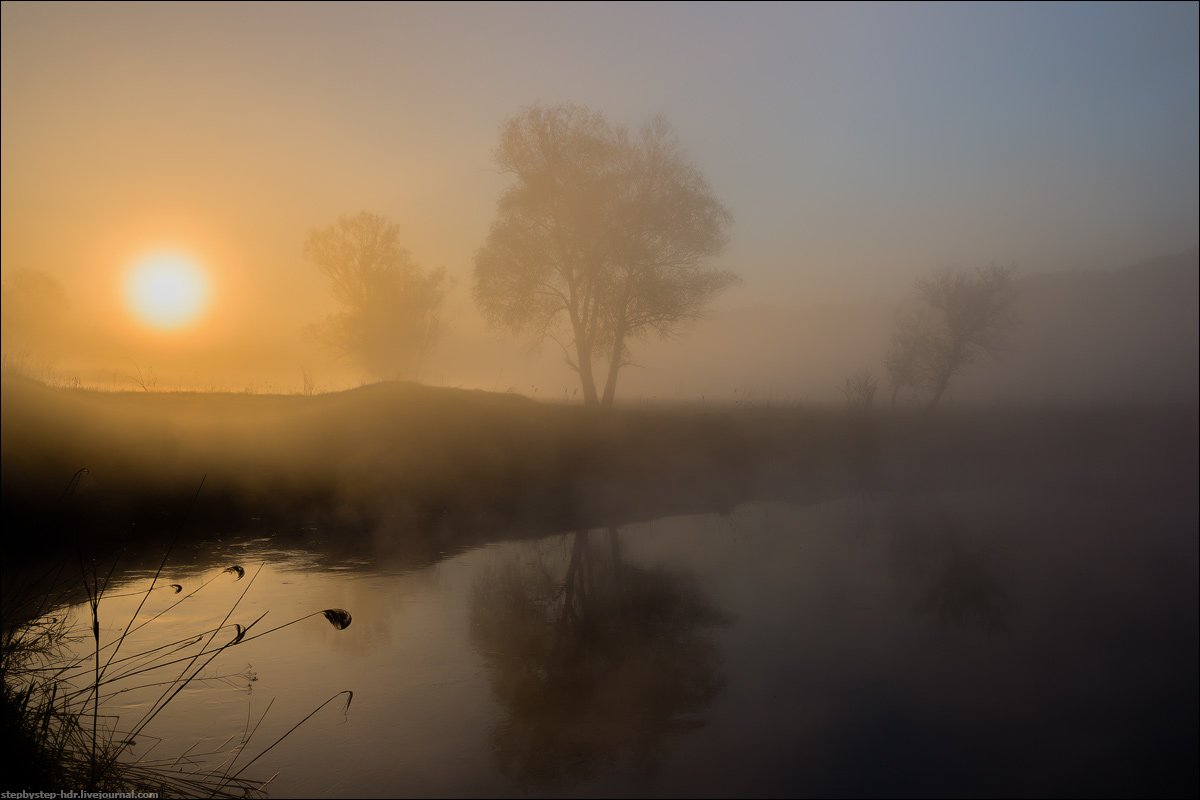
166	290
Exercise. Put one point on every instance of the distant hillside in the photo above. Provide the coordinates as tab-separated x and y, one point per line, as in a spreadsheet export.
1129	335
1126	335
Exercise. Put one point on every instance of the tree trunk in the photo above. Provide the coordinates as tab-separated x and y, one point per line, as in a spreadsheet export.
572	582
943	382
610	387
583	356
951	365
586	378
614	544
614	367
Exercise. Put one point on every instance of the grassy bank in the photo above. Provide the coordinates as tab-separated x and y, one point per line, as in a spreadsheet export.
435	469
82	683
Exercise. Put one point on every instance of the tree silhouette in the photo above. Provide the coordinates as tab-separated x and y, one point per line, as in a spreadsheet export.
597	667
601	240
957	583
33	308
389	306
963	319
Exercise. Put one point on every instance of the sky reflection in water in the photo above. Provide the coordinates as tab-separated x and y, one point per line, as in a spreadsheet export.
968	643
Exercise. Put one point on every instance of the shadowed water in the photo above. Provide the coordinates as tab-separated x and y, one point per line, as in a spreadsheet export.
972	643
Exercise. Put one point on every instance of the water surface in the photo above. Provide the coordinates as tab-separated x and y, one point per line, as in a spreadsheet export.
973	642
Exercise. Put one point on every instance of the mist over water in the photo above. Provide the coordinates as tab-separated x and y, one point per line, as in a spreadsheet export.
961	642
575	400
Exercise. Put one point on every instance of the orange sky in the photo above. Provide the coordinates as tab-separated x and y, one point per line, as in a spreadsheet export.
856	146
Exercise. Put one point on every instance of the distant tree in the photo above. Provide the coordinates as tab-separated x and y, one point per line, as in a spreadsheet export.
33	308
963	319
390	307
859	390
602	239
905	360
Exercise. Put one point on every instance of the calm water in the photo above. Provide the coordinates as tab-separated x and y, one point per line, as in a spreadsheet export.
969	643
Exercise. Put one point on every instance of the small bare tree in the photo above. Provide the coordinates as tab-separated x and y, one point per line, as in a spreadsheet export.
859	390
904	360
308	386
963	319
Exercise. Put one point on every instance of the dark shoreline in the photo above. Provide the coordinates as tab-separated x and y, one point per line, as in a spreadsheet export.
430	470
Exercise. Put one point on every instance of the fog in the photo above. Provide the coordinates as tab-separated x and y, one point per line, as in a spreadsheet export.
857	148
600	399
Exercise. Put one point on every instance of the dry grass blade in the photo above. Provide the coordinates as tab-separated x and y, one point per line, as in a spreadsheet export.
57	672
349	697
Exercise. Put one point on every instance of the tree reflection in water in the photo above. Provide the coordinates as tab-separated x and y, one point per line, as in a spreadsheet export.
961	586
595	667
967	594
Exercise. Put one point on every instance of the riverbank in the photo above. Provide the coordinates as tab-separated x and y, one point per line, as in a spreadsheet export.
433	469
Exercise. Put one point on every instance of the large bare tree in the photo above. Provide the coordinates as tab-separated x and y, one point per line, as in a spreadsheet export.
389	306
603	238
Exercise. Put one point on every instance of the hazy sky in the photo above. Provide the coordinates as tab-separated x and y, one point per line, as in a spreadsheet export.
856	145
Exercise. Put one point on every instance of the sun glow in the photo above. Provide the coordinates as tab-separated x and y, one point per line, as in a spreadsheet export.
166	290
